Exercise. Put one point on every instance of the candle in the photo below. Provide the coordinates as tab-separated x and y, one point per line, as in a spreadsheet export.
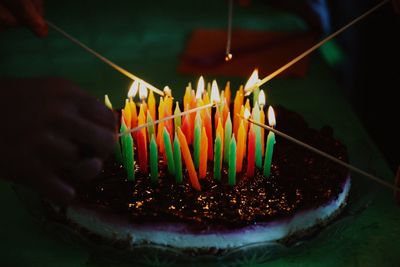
151	102
153	160
151	128
177	159
220	131
168	152
126	114
134	117
257	131
177	119
227	138
187	129
240	147
251	152
217	157
107	102
250	82
188	161
207	124
237	104
269	149
186	98
196	141
232	161
200	88
228	94
261	101
203	155
127	152
142	142
160	127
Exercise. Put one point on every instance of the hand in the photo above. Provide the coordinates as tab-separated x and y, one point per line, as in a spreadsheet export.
23	12
53	136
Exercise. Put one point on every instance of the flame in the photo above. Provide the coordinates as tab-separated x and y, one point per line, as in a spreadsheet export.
215	92
142	91
246	113
200	88
228	57
261	98
253	80
167	91
271	117
133	89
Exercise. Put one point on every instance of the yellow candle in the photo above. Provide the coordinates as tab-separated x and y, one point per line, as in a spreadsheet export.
240	147
237	104
203	154
126	113
152	105
133	113
188	161
228	94
262	121
160	126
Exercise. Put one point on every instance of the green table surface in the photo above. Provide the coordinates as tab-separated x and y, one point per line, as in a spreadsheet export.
147	39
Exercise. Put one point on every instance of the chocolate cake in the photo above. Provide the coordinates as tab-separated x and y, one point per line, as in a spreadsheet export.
303	193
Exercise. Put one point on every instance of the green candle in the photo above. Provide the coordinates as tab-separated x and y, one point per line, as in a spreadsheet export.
269	150
177	119
168	152
177	160
127	152
153	160
217	158
227	138
257	130
232	161
256	92
196	141
150	129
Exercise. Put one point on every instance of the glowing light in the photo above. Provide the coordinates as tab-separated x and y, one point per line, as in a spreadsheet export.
261	98
271	117
167	91
228	57
142	91
200	88
215	97
133	89
251	82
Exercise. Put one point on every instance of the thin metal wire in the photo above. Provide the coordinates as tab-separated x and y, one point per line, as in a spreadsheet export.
229	37
102	58
313	48
324	154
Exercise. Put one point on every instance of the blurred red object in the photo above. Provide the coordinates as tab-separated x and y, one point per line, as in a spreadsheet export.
267	51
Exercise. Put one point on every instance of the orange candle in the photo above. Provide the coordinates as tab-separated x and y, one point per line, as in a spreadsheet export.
160	126
203	154
126	114
207	124
240	147
228	94
237	104
251	152
186	98
134	119
187	129
188	161
152	105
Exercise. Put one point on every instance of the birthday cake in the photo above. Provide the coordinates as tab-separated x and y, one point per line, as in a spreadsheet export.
211	202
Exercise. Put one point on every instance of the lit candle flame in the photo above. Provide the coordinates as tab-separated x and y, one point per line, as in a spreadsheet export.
142	91
261	98
133	89
246	113
200	88
215	97
167	91
251	81
228	57
271	117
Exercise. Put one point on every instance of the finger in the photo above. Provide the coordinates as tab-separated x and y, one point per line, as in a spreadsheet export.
85	132
54	188
57	150
26	13
87	169
97	112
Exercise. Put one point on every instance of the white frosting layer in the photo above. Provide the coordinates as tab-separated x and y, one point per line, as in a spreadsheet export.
176	236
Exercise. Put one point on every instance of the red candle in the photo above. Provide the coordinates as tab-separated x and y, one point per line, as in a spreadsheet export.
251	152
207	124
187	128
142	151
